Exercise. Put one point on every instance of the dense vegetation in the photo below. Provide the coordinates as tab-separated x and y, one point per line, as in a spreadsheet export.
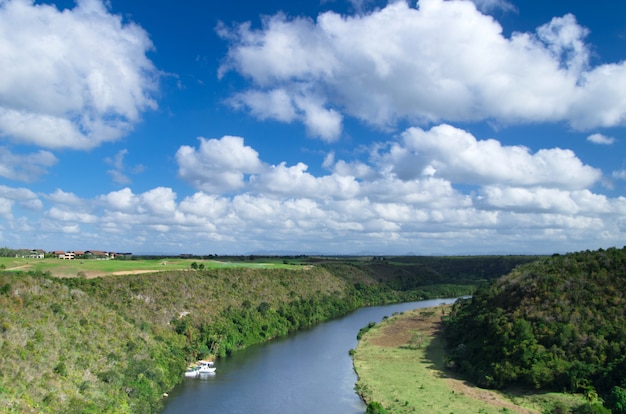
117	343
558	323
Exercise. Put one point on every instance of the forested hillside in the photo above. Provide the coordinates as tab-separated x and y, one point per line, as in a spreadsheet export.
558	323
117	343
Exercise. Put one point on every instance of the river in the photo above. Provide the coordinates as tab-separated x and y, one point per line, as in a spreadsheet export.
307	372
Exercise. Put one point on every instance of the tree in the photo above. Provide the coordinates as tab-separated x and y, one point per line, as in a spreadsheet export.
375	408
417	340
263	308
617	400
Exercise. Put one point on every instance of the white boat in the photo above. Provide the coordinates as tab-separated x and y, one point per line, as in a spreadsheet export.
192	372
206	367
201	367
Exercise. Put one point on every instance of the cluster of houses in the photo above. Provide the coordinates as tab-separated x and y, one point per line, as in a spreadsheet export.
71	255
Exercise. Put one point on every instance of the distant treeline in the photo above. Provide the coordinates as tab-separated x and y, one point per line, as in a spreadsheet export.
555	324
116	344
7	252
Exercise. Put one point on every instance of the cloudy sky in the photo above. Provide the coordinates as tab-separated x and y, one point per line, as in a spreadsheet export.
313	126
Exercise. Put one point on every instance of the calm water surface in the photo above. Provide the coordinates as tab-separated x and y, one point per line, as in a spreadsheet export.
308	372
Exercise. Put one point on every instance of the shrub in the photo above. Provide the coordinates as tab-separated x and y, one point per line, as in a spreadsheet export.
559	408
60	369
591	408
364	330
617	400
375	408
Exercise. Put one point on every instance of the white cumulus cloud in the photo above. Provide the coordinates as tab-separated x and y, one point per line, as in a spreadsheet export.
427	192
296	181
457	156
600	139
550	200
123	200
71	78
218	164
492	5
25	167
389	65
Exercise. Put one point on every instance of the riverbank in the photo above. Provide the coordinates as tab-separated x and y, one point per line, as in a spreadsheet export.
400	364
117	343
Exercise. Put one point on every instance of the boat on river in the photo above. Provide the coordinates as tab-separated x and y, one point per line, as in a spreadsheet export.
206	367
202	367
192	372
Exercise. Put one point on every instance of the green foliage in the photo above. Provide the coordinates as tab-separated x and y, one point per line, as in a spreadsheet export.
6	252
60	369
557	323
417	340
364	330
264	308
375	408
559	408
591	408
115	344
616	400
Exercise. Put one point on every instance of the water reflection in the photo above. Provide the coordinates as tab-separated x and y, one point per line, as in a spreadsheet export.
309	372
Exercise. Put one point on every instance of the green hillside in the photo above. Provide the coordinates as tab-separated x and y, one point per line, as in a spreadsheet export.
117	343
556	324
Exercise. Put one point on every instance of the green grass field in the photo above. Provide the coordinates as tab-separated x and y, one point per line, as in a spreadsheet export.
96	268
400	364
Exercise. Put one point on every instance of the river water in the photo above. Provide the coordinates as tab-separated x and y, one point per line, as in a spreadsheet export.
307	372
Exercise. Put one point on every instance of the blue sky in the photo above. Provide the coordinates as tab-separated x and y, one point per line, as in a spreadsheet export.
331	126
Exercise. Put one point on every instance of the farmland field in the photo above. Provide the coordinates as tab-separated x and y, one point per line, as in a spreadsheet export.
90	268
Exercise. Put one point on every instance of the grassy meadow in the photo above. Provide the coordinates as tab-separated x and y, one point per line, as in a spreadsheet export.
95	268
400	364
